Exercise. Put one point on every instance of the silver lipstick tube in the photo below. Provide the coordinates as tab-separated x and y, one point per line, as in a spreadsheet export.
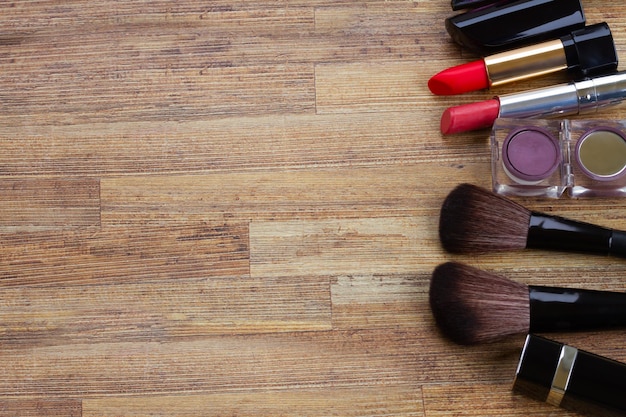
580	97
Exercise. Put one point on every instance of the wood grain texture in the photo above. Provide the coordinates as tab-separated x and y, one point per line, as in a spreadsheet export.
231	208
61	202
342	401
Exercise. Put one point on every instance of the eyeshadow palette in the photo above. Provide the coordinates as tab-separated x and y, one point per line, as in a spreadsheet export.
547	158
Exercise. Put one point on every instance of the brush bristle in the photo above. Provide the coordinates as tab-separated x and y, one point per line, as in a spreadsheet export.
473	306
475	220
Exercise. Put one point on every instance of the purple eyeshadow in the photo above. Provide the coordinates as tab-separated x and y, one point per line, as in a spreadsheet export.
530	154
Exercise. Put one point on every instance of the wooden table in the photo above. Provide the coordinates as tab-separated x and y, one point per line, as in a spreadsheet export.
230	208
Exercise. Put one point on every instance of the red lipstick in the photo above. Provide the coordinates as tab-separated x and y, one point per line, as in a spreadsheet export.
461	79
580	97
471	116
585	52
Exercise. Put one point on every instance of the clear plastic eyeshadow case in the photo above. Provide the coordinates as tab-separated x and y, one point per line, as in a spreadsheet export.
552	157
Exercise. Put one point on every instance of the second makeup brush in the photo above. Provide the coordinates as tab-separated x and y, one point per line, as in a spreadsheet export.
473	306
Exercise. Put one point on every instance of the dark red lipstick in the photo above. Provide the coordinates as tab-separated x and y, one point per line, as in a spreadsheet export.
580	97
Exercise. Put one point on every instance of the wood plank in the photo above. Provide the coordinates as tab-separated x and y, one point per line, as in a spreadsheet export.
350	402
238	143
176	41
48	13
360	87
156	67
118	256
161	311
234	34
485	400
337	247
380	300
34	407
240	364
399	191
250	195
49	203
180	64
390	30
191	93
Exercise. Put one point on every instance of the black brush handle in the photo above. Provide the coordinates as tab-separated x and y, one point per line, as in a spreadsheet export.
558	233
554	309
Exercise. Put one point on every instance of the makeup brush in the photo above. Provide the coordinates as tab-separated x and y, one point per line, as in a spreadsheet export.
473	306
474	220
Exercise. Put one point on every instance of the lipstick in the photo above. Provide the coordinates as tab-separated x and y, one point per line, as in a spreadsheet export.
511	24
584	52
586	96
571	378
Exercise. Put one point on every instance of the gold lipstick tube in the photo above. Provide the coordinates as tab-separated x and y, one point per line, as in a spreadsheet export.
527	62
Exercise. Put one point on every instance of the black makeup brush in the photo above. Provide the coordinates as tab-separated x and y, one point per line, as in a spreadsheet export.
473	306
477	220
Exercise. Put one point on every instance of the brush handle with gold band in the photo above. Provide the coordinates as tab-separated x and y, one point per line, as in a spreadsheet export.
553	232
571	378
555	309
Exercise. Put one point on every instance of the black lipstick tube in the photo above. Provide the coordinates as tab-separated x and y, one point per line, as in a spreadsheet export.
556	309
570	378
557	233
508	25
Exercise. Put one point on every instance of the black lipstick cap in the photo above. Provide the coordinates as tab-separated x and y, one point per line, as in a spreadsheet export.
510	25
590	51
571	378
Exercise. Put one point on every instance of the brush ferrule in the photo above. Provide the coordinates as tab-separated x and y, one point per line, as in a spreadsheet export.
554	309
558	233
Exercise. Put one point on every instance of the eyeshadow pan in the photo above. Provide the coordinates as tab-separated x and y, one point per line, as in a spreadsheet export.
601	154
530	154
